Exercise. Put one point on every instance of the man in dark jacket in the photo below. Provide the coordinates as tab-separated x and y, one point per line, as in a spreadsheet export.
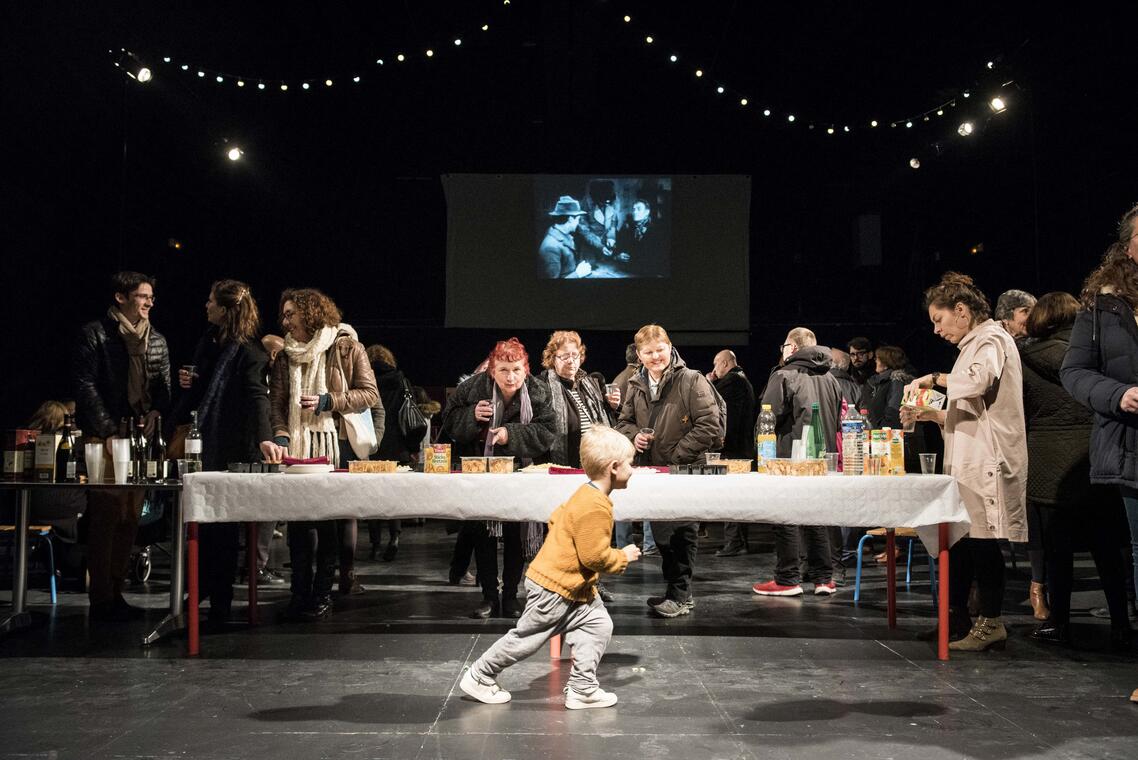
739	443
840	369
803	380
557	257
121	369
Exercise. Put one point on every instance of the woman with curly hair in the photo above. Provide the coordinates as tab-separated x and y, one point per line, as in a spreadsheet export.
1100	372
503	411
322	373
228	391
984	449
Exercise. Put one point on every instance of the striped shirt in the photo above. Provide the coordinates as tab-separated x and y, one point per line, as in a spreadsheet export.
586	423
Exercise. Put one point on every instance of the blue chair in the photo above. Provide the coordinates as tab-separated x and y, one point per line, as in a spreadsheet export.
900	533
42	532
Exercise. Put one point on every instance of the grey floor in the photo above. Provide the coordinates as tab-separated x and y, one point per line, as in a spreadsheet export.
743	677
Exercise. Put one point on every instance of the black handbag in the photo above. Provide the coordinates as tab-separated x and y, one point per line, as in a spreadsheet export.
412	423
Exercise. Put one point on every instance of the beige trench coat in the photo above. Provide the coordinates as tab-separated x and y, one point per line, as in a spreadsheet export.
985	446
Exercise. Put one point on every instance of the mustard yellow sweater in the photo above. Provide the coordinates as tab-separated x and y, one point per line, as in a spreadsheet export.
576	549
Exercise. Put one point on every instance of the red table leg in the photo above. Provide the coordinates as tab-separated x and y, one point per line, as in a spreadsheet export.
555	647
192	633
891	576
942	594
251	556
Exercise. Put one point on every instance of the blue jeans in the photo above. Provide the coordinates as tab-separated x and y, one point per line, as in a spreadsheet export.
623	532
1130	501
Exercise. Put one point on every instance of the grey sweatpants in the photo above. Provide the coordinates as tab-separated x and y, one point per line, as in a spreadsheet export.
587	628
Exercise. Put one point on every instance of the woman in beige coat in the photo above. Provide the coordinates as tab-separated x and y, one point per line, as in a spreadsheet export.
985	449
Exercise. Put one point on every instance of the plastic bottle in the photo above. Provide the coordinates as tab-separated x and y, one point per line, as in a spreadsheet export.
765	441
853	431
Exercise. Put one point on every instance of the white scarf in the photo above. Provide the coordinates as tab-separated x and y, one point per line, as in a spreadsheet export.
310	434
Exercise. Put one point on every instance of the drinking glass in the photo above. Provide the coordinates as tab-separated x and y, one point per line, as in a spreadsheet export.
928	463
831	461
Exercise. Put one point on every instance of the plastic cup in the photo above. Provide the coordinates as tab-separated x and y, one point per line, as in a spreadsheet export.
831	461
611	388
93	453
120	449
712	456
928	463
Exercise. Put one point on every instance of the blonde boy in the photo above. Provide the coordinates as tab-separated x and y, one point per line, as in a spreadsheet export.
561	582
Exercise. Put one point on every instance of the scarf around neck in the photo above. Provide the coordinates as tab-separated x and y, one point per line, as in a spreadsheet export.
136	338
310	434
525	416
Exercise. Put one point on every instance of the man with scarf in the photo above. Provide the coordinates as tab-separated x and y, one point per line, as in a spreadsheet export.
121	369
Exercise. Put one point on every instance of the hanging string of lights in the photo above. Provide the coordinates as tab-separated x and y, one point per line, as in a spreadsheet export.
998	100
351	77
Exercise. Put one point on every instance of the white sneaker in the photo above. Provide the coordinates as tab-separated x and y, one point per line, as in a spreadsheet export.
488	693
575	700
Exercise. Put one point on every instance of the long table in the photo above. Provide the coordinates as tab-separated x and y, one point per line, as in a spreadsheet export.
930	504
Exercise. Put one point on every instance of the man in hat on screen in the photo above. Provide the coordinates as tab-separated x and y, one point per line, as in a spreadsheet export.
558	254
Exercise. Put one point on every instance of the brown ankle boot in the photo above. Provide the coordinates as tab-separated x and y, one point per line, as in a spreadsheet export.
986	633
1038	596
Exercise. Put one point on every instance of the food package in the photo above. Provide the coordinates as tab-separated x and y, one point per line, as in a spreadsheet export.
798	468
501	465
926	398
437	458
474	465
736	466
373	465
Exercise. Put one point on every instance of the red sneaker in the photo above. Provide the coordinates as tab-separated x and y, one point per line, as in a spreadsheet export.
772	588
825	589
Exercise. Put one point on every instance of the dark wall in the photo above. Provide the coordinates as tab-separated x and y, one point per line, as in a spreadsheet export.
340	189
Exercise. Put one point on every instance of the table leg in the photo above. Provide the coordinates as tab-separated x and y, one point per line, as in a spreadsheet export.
251	559
942	593
891	576
174	620
19	617
193	633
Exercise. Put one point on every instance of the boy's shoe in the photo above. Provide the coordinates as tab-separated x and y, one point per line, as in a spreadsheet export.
825	589
605	595
598	697
488	693
668	608
650	552
772	588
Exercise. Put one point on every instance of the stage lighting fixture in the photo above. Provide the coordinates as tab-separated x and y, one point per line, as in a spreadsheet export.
457	42
327	82
305	85
649	40
829	130
915	163
674	58
790	117
719	89
234	154
430	53
699	72
965	129
997	104
400	58
627	19
742	101
240	82
129	63
873	123
766	112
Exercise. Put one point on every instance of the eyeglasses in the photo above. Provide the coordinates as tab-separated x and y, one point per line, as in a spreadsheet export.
287	315
860	353
567	357
142	297
784	345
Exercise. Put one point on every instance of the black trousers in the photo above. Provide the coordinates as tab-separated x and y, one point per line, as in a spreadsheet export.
217	562
312	542
1064	528
486	558
788	540
677	542
978	559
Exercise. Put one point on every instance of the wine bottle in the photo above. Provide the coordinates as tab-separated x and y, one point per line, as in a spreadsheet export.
194	440
138	451
66	466
158	455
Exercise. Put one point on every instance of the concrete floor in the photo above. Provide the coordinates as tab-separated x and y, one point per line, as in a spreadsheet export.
743	677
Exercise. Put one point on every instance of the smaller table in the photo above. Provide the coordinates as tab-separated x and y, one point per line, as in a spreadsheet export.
19	618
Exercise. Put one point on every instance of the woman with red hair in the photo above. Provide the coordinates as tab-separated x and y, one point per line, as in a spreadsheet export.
504	411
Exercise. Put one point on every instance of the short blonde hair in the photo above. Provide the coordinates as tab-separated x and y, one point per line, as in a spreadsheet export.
802	337
600	447
556	341
649	334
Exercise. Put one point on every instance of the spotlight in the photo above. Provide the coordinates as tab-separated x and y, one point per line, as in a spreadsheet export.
673	58
356	80
766	112
965	129
327	82
742	101
400	58
790	117
305	85
430	53
699	72
129	63
240	82
873	123
234	154
627	19
719	89
457	42
915	163
997	104
649	40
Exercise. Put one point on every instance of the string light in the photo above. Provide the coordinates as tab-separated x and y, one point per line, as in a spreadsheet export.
649	40
220	80
873	123
260	85
720	89
305	85
234	154
965	129
240	82
997	104
830	131
627	19
673	58
201	73
166	59
400	58
457	42
790	117
356	80
699	72
185	67
915	163
327	82
742	101
766	112
908	125
284	87
430	53
485	27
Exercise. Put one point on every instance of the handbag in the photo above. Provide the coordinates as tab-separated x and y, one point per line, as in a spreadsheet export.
412	423
358	427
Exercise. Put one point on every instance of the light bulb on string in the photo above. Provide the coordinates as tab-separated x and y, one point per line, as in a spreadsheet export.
699	72
240	82
457	42
131	65
220	79
201	73
965	129
673	58
766	112
627	19
967	94
284	87
649	40
305	85
485	27
185	67
234	154
845	129
997	104
400	58
260	85
915	163
166	59
742	101
790	117
940	112
873	123
908	124
430	53
356	80
720	89
378	61
327	82
829	130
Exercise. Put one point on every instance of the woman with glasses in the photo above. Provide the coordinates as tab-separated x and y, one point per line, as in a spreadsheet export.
578	400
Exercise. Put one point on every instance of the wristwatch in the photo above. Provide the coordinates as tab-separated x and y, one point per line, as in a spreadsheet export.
936	380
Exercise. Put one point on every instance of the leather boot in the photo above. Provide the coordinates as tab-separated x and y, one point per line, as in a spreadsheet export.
1038	596
987	633
1053	633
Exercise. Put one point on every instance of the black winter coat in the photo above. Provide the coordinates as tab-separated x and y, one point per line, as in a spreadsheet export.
1100	366
881	397
243	414
389	381
526	441
99	370
739	394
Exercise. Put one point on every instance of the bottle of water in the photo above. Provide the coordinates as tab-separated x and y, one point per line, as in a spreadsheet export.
765	441
853	434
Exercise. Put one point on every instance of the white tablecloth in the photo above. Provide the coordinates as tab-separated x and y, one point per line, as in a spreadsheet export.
912	501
